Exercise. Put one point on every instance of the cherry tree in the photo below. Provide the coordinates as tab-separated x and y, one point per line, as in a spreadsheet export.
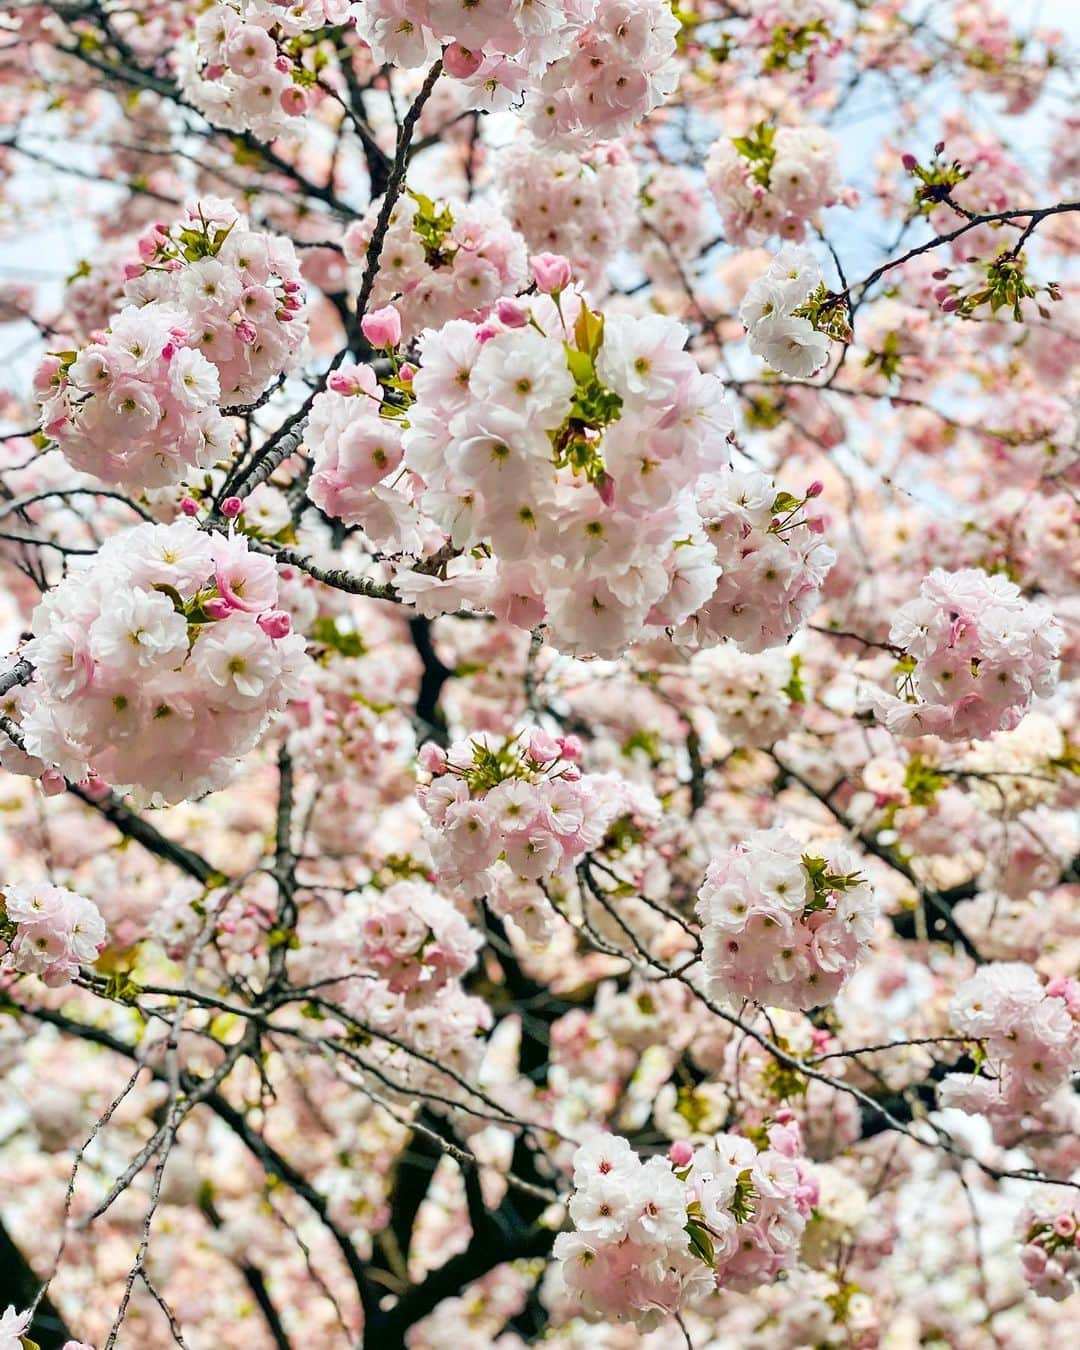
540	548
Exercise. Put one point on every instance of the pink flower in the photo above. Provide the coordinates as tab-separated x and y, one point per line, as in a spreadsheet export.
246	580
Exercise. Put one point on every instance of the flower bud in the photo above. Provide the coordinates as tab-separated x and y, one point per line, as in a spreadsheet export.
432	758
909	162
551	272
294	101
681	1152
275	623
511	312
460	62
218	607
189	506
232	506
382	327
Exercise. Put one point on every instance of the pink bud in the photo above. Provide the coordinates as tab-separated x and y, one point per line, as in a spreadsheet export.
909	162
681	1152
406	373
939	149
382	327
275	623
232	506
460	62
53	782
95	786
189	506
214	71
551	272
294	101
133	269
1065	1225
218	607
815	524
570	747
942	274
432	758
815	489
605	487
486	332
950	304
342	383
511	312
245	330
283	64
542	747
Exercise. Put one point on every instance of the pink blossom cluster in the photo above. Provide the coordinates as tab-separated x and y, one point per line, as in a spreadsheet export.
240	289
781	926
578	205
653	1238
977	653
584	69
48	931
751	696
439	260
355	454
620	67
521	799
138	405
415	940
773	181
807	27
671	225
771	558
1050	1256
568	447
238	68
783	338
1030	1038
159	662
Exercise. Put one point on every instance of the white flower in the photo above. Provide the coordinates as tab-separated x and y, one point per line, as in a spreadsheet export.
789	345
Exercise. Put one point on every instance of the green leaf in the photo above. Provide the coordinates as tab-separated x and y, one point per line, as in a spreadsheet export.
701	1243
589	331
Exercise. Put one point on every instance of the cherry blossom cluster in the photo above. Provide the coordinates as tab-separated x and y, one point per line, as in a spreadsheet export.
773	314
770	556
653	1238
48	931
1050	1228
671	226
976	654
160	662
752	697
781	926
242	69
580	206
138	406
415	940
773	180
240	289
1029	1034
584	71
522	799
619	68
439	260
567	447
356	453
